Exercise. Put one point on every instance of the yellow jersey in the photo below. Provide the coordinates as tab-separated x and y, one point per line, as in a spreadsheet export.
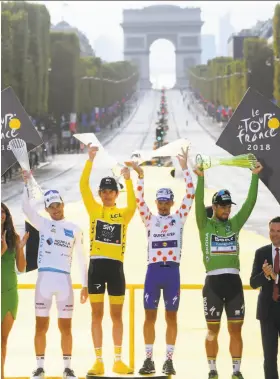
108	225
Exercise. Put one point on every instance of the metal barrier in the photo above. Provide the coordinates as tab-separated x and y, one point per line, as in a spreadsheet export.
131	288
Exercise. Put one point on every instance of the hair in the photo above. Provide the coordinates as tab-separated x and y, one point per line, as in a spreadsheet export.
11	235
275	219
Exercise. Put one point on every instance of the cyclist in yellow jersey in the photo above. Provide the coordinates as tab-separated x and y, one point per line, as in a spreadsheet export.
108	228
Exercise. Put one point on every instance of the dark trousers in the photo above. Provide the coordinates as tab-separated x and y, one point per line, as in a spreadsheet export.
270	329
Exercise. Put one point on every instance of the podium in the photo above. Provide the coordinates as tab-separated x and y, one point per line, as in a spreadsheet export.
131	376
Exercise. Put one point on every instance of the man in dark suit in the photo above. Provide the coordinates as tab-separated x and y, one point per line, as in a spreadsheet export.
266	274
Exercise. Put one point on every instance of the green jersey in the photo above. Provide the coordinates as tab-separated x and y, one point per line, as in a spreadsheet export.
220	239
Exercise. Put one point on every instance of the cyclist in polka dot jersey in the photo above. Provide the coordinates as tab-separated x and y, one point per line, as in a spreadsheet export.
164	233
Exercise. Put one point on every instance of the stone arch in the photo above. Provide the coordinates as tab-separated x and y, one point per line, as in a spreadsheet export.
181	26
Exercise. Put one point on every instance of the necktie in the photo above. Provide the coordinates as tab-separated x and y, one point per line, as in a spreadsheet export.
275	295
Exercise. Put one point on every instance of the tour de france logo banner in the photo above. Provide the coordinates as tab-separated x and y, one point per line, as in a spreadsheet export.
15	123
255	128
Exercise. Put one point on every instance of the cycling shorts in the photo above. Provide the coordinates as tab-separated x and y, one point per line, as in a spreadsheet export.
165	277
223	291
56	284
102	272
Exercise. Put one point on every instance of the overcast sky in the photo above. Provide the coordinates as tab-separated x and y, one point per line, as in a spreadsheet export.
97	18
103	18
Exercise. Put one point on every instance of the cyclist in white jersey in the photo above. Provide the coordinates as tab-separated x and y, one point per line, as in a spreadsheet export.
164	232
58	238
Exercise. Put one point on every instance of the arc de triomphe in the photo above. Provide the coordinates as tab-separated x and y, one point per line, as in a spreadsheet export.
181	26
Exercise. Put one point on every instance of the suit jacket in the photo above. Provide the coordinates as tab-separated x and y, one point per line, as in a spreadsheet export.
258	279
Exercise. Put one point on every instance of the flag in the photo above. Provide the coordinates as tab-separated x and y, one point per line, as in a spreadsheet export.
255	128
84	120
73	122
15	123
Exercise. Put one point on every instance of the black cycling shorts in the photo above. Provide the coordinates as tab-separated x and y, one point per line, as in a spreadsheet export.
106	271
223	291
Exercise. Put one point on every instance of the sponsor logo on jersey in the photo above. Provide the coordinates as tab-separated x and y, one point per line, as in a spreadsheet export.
156	235
62	243
117	215
40	254
108	233
53	230
69	233
212	310
205	306
49	241
164	244
109	227
223	245
228	228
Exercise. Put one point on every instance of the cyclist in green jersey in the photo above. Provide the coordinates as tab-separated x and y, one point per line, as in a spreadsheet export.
219	238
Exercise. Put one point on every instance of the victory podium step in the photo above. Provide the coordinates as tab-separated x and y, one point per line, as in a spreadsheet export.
129	376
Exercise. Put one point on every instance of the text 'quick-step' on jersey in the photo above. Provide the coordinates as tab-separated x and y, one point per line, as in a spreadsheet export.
165	233
57	241
108	225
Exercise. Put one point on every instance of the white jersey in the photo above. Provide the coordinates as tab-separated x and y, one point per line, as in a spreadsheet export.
57	242
165	232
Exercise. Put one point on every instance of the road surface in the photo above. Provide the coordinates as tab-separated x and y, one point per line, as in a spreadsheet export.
189	356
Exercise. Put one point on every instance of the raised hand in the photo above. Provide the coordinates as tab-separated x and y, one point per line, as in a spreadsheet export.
92	150
198	170
26	175
258	168
135	167
183	158
125	172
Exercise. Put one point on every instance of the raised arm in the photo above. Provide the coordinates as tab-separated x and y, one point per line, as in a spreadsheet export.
143	208
30	212
131	199
187	201
242	216
87	196
189	195
200	211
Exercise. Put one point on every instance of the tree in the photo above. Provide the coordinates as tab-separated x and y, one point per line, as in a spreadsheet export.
6	50
259	63
64	74
28	56
103	84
